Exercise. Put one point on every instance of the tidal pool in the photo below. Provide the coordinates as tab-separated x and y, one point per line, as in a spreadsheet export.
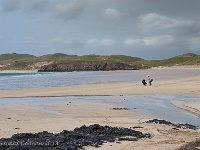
156	106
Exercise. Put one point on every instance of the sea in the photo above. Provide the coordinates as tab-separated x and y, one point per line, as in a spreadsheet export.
9	81
156	106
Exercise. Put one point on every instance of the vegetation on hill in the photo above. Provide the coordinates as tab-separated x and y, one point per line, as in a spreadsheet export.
26	62
185	59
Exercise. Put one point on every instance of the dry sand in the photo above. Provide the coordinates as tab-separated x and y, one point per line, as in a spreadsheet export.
26	118
18	71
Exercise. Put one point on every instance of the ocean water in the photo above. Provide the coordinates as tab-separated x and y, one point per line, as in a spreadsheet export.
60	79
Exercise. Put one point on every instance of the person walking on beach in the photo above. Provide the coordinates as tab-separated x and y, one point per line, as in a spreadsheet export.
150	80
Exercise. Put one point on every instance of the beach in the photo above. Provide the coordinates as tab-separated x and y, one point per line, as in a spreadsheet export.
167	80
26	117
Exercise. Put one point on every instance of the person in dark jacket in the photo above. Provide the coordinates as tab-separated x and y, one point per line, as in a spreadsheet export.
144	82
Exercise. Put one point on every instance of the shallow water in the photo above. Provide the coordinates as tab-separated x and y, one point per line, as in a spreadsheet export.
156	106
59	79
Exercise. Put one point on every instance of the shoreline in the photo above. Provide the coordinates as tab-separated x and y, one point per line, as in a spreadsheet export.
153	68
186	86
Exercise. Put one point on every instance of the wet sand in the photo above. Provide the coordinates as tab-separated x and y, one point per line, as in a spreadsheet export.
26	118
190	106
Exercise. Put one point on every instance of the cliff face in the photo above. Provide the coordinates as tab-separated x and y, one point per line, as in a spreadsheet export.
87	66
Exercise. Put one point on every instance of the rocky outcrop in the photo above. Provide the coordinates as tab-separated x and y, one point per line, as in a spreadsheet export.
88	66
93	135
179	125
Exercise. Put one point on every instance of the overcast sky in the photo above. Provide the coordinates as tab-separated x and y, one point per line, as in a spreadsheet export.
150	29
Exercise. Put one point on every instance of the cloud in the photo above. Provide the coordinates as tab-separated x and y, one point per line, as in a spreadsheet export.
131	42
107	42
75	43
157	30
70	10
92	41
154	22
39	5
163	40
113	14
10	5
103	42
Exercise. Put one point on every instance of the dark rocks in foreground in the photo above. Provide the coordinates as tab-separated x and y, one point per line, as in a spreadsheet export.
93	135
180	126
88	66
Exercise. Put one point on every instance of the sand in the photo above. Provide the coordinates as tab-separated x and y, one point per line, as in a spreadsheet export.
190	85
26	118
192	107
18	71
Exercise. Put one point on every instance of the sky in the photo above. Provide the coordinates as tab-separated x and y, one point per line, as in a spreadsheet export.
150	29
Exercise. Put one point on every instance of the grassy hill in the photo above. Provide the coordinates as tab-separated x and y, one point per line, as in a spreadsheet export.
16	61
26	62
181	60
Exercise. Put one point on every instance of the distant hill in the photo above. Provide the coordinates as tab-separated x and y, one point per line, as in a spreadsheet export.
181	60
64	62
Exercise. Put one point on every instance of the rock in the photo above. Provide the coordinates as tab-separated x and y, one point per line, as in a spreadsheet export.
136	127
87	66
118	142
93	135
120	108
180	126
127	139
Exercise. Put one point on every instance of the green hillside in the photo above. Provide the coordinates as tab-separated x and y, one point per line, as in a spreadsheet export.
26	62
16	61
185	59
